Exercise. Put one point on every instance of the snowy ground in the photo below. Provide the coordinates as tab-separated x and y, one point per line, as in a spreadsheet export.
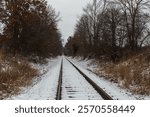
46	88
1	28
74	86
112	89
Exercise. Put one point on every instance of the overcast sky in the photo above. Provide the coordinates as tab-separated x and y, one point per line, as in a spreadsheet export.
69	12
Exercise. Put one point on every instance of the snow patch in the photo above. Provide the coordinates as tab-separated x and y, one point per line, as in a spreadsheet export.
1	28
113	89
45	87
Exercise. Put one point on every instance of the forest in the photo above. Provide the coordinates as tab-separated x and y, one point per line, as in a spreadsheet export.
28	34
113	34
30	28
116	35
111	28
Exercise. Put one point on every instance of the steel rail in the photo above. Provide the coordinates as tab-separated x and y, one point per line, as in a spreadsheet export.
102	93
59	88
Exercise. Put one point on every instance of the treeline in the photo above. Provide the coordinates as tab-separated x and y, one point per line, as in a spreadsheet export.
111	28
30	28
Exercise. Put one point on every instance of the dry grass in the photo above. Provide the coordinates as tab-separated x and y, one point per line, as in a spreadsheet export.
15	73
133	74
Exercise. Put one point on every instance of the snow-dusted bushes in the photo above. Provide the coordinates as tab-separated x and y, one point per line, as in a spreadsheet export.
15	73
133	73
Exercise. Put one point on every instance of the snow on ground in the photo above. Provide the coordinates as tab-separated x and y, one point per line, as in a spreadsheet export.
46	87
74	85
1	28
111	88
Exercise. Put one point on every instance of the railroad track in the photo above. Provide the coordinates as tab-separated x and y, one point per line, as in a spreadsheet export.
67	89
58	94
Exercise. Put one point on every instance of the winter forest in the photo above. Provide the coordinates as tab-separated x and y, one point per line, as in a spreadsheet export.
113	28
111	35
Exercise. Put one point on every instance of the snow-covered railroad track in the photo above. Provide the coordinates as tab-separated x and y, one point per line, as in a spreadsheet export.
74	84
58	94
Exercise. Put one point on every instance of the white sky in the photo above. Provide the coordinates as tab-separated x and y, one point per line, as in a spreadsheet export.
69	12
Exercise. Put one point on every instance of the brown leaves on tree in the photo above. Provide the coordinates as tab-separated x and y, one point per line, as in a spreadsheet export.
31	28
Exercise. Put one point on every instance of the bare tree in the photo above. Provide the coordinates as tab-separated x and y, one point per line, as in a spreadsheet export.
112	28
112	22
133	11
92	11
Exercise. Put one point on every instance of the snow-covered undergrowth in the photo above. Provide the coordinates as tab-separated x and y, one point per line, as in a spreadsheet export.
133	74
43	87
129	79
15	73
